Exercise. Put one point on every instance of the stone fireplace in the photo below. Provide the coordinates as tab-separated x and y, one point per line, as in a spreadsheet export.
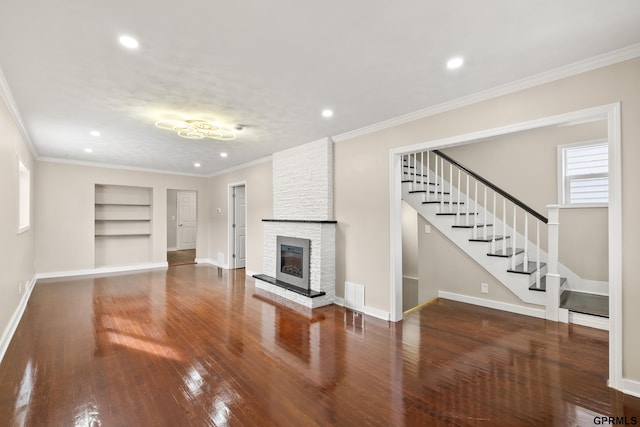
303	224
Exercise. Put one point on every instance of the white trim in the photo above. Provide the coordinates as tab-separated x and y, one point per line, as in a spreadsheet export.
588	320
103	270
211	262
370	311
497	305
610	58
230	218
615	247
611	112
172	249
249	273
7	335
7	96
242	166
631	387
118	167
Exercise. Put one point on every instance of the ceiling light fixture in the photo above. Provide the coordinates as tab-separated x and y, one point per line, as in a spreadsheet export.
128	42
197	165
327	113
88	150
223	154
94	133
455	62
197	129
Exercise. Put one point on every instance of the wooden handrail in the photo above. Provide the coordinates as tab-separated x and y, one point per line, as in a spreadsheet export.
495	188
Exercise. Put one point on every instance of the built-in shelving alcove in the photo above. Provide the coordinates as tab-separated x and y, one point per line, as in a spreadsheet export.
122	225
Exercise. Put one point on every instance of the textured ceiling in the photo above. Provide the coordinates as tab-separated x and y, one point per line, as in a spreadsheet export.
272	66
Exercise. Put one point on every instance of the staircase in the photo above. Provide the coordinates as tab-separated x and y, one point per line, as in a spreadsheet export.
498	231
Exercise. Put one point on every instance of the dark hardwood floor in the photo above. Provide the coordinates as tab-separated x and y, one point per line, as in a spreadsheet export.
181	257
197	346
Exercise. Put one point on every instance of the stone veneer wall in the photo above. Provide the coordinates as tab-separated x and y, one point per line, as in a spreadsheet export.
303	182
303	190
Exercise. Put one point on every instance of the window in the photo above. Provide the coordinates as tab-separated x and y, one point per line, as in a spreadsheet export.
24	197
584	174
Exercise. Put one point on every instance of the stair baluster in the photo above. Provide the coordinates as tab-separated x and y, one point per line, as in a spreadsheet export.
526	240
415	173
450	187
442	185
467	206
504	224
513	238
475	217
426	194
495	216
485	212
458	198
422	170
538	255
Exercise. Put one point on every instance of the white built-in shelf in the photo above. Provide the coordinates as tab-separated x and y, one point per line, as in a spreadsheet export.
122	227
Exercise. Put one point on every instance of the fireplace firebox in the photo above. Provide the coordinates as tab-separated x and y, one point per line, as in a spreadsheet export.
293	261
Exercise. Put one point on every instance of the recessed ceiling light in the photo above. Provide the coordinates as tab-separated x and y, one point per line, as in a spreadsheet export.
196	165
223	154
88	150
327	113
128	42
94	133
455	62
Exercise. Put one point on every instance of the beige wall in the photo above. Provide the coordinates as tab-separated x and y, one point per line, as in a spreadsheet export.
259	198
17	251
362	187
525	166
65	215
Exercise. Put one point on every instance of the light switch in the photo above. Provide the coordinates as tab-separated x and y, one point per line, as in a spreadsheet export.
427	228
173	217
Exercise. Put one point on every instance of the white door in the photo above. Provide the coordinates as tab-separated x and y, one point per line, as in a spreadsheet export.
187	220
239	226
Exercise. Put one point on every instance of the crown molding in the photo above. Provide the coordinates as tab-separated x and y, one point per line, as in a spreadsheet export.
7	96
242	166
606	59
113	166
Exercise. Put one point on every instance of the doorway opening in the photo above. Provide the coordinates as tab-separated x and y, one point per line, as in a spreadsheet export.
182	226
237	225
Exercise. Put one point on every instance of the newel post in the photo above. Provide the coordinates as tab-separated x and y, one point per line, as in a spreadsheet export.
553	276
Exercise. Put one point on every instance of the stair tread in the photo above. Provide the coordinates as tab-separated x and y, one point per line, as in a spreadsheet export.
543	284
430	191
455	213
488	238
404	181
471	225
528	269
506	254
446	202
581	302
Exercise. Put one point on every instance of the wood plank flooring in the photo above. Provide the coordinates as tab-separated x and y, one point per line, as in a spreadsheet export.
200	346
184	256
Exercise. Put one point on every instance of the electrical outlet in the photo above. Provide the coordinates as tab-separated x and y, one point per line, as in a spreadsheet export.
427	228
484	288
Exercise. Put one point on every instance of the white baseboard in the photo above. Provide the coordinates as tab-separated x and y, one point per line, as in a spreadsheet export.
373	312
631	387
512	308
7	335
103	270
171	249
590	321
249	273
212	262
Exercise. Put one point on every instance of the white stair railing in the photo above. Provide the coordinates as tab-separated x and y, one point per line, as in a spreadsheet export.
432	172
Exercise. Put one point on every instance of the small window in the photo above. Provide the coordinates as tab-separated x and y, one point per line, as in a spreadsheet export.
24	197
584	174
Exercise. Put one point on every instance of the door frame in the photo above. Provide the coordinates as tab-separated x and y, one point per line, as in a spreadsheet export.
230	218
178	247
609	112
